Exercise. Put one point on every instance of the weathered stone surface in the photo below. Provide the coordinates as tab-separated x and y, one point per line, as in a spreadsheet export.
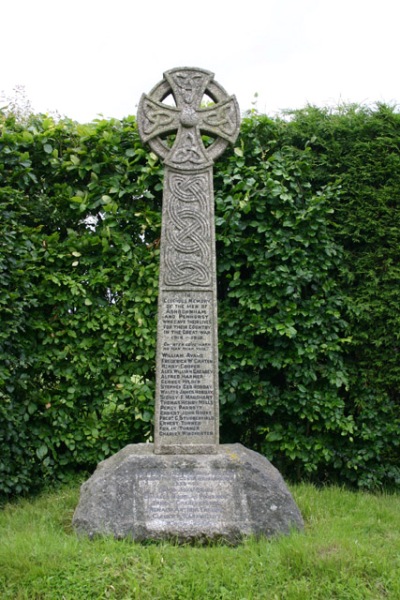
139	494
187	486
187	407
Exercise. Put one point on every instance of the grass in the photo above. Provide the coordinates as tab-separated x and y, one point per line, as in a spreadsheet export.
350	549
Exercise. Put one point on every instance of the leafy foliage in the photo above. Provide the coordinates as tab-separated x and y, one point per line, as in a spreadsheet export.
282	370
307	230
357	151
79	281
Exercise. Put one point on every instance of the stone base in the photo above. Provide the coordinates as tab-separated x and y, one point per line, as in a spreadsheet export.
147	496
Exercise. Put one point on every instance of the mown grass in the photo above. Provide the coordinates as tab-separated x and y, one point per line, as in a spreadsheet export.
350	549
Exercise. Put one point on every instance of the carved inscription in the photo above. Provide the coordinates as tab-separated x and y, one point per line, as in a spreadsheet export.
186	379
190	498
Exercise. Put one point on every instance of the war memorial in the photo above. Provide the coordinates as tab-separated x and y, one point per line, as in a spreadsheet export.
187	486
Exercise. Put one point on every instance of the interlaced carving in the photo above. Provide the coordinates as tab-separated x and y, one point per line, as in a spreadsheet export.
188	237
221	119
187	252
188	152
190	84
156	118
188	119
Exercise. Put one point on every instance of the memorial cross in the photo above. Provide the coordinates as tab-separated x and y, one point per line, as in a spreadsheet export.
187	408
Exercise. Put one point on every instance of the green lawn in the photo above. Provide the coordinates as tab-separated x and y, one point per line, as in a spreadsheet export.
350	549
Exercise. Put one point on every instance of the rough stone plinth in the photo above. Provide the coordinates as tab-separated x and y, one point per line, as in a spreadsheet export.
146	496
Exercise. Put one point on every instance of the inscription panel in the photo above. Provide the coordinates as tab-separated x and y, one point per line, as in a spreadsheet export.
189	497
187	387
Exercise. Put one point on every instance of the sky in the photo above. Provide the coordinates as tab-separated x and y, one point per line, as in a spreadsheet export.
90	58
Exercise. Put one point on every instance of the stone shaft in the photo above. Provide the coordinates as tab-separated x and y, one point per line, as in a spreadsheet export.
186	415
186	418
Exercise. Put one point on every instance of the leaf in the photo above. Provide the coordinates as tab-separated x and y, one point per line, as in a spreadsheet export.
42	451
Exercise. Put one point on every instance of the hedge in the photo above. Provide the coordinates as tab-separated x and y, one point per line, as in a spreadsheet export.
307	219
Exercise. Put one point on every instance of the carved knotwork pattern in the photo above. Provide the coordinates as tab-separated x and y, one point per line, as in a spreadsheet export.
187	252
189	119
191	84
156	118
188	152
188	228
221	118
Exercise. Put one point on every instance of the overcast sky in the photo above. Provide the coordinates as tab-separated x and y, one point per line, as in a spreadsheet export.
84	58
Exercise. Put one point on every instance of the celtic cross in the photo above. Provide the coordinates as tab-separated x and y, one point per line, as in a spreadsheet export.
186	419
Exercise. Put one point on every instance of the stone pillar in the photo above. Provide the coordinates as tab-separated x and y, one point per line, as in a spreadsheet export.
187	407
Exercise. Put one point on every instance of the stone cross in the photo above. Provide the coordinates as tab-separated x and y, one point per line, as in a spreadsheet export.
187	408
152	492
